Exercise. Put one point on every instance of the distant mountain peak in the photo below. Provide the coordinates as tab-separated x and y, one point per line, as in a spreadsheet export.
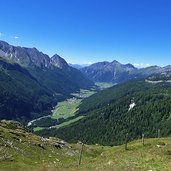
57	56
115	62
130	65
3	42
59	62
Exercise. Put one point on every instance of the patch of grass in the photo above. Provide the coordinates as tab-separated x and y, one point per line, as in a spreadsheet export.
83	93
103	85
66	108
137	157
69	122
37	129
31	152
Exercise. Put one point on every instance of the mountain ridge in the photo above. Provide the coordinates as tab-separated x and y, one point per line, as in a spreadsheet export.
116	72
31	71
109	71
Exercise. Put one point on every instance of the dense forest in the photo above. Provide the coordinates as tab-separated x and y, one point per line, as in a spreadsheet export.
21	95
109	117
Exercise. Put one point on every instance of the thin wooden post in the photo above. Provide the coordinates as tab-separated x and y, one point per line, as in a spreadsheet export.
142	139
158	133
126	142
81	152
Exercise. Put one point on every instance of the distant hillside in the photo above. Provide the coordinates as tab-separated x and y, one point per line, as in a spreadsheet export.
26	151
38	80
115	72
77	66
136	107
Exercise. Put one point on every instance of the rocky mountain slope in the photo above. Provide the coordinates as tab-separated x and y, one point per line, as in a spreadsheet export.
114	72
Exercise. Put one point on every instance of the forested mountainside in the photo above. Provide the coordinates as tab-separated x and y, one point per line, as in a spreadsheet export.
22	97
32	82
136	107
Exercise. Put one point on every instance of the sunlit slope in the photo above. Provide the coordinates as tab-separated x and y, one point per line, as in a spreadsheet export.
20	150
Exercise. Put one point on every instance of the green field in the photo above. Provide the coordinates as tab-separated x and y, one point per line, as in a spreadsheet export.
66	108
103	85
69	107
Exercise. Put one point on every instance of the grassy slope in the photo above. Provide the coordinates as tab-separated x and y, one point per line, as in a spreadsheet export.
69	122
155	155
26	155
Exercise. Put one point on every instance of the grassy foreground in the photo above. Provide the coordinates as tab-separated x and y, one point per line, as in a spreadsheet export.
23	151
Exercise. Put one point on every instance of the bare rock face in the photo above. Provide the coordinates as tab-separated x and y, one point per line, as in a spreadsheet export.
30	57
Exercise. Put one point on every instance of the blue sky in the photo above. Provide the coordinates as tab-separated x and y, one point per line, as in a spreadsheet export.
87	31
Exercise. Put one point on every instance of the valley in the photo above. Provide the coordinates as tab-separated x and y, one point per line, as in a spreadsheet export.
63	106
85	85
66	111
136	107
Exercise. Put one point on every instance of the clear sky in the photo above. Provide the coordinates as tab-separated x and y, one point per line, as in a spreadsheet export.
87	31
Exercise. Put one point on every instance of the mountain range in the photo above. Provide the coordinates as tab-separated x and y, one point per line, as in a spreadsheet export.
31	82
116	72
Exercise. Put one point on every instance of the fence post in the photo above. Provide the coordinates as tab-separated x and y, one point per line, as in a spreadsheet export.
158	133
126	142
142	139
81	152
